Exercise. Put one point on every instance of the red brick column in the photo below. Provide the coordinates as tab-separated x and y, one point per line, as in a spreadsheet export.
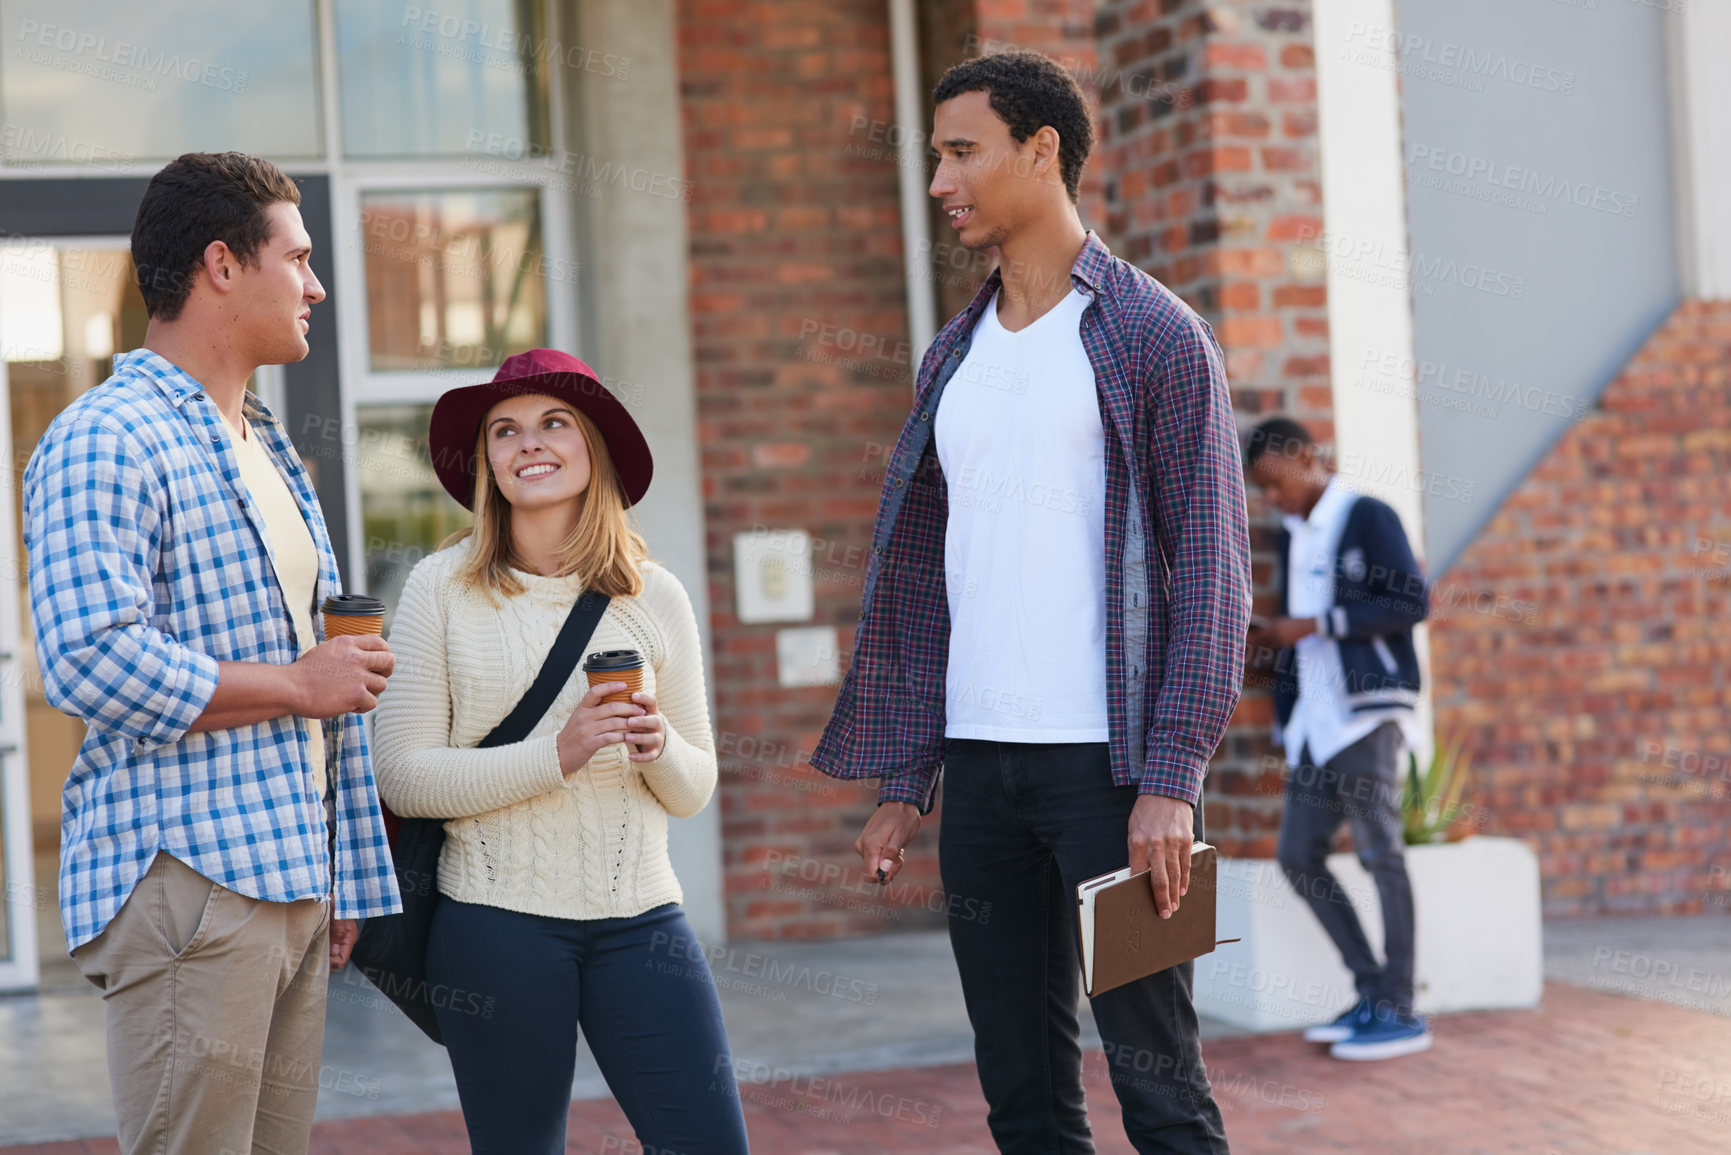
1580	644
1213	185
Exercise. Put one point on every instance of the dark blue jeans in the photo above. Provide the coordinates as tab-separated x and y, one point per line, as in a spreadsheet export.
511	991
1360	785
1023	824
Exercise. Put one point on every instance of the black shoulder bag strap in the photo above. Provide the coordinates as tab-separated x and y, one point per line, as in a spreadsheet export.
561	660
392	951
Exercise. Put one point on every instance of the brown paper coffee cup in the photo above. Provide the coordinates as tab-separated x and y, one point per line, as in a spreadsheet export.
615	666
353	614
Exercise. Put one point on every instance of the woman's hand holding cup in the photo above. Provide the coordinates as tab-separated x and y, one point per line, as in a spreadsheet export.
593	724
647	732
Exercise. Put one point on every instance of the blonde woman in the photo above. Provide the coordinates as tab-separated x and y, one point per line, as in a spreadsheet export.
560	910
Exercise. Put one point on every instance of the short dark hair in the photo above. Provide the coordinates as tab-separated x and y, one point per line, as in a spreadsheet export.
1028	91
196	199
1283	435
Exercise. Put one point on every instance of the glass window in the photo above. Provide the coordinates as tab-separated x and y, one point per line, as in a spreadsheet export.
64	311
407	513
454	280
104	82
460	78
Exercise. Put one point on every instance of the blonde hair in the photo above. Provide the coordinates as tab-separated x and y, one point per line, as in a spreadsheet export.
604	547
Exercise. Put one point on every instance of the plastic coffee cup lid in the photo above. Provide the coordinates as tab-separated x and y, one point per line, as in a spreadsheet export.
353	604
608	660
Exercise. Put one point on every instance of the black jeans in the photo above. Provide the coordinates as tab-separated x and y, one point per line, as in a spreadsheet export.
1360	785
1023	824
510	991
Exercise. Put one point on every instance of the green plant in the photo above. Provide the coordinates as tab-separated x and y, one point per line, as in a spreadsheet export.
1432	801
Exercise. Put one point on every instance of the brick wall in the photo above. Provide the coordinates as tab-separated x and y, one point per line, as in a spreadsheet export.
1580	643
798	315
1213	184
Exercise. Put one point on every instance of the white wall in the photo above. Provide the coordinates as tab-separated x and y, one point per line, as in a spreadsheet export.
1699	54
1364	212
1364	225
1512	113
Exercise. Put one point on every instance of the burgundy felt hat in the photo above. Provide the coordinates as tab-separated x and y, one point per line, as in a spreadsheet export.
457	420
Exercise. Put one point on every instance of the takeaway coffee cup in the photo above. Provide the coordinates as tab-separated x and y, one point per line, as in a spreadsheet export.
353	614
615	666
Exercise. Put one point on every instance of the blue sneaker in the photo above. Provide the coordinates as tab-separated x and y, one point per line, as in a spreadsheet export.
1341	1028
1385	1037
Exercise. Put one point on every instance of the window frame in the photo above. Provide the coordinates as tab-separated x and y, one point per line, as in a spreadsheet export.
363	386
408	386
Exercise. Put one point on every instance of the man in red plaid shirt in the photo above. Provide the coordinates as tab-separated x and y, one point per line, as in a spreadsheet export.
1054	616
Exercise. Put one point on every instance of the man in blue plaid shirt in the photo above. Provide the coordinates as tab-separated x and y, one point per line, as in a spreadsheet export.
222	799
1054	616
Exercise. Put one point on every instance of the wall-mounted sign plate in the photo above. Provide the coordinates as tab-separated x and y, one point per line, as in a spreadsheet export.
807	656
772	575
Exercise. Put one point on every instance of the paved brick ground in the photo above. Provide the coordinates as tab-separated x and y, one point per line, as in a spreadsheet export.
1588	1074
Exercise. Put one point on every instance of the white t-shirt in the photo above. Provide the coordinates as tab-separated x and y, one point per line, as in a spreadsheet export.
1023	450
293	555
1321	717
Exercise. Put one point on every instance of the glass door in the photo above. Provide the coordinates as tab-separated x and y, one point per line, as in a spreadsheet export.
66	306
18	914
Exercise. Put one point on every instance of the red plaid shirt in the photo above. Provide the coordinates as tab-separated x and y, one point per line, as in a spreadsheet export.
1177	606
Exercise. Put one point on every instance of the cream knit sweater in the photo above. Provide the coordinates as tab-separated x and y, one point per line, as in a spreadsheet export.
521	835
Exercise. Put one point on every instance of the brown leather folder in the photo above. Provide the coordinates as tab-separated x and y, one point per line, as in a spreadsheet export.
1123	936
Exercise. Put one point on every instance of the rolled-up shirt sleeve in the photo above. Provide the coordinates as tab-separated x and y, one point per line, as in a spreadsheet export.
93	529
913	786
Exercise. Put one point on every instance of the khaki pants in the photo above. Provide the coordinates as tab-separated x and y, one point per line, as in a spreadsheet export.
216	1015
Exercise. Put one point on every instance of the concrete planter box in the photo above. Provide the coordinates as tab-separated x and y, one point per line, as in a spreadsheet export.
1478	937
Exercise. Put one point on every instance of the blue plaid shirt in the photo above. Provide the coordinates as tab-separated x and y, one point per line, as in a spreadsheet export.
148	566
1177	554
